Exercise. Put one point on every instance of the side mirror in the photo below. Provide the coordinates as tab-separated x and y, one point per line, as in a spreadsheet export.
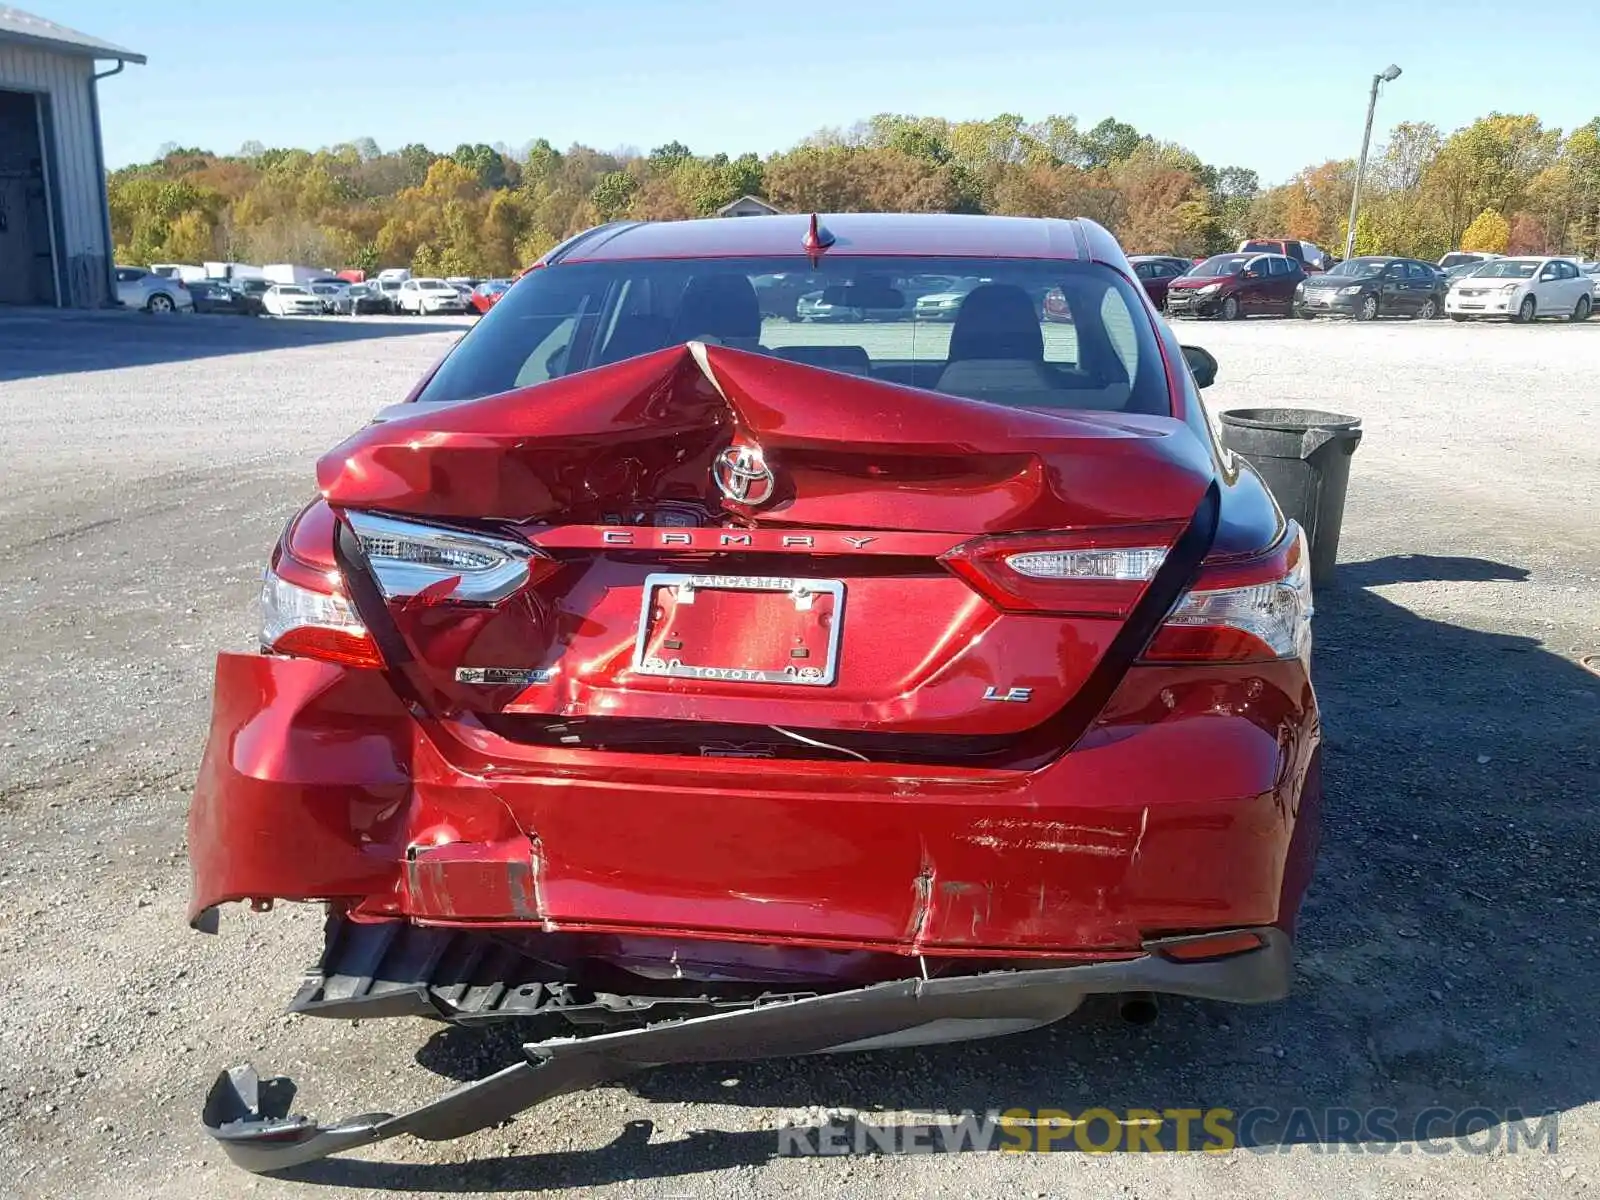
1250	275
1201	365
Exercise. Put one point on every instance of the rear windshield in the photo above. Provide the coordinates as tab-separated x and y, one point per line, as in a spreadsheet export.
1270	247
1025	333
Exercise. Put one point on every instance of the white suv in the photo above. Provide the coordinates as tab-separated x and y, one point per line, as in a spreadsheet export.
419	296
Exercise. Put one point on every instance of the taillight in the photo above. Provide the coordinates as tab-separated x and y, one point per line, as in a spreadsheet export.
304	609
1258	610
1088	572
308	624
410	559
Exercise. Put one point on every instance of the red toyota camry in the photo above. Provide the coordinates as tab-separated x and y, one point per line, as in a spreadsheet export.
716	686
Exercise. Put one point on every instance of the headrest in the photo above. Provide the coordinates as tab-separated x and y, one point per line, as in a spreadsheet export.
997	320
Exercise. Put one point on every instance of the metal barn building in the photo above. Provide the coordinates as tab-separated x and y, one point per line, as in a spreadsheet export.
55	228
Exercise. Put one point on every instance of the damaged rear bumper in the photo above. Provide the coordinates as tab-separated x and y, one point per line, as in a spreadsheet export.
252	1120
1192	806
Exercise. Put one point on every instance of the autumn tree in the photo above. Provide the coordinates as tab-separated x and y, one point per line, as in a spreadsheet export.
489	209
1108	143
1154	191
1489	233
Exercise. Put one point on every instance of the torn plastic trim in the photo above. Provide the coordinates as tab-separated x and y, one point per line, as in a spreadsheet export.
252	1117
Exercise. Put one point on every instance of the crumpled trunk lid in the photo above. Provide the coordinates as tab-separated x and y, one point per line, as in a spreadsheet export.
736	542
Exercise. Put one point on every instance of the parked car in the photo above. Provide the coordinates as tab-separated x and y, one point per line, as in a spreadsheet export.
335	295
1522	289
487	294
1374	286
422	296
390	287
1307	254
291	300
1024	715
946	304
1157	271
1457	258
1232	286
139	288
369	298
220	296
831	304
256	287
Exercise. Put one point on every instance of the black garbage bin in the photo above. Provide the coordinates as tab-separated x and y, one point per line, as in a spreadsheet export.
1304	457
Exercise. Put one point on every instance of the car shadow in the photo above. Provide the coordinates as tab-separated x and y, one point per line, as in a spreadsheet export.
1446	966
43	342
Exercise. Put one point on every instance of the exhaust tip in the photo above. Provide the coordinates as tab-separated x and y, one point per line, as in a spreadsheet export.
1139	1008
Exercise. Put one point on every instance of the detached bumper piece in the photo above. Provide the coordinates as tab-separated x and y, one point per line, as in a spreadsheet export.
474	977
252	1118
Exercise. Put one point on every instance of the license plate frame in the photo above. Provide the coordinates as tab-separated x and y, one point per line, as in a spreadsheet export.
797	587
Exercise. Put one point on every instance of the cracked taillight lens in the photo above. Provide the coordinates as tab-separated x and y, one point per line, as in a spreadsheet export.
309	624
1253	611
305	611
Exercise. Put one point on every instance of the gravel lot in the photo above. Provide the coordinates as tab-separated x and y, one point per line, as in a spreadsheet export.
1447	956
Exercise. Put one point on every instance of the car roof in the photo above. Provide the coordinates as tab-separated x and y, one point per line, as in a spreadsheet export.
951	235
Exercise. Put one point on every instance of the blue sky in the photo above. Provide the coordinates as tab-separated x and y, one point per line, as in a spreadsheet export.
1263	85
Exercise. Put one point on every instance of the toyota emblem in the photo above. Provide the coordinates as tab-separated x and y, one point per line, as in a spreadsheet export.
742	475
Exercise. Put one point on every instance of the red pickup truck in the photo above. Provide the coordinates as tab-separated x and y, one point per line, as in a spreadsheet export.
1308	255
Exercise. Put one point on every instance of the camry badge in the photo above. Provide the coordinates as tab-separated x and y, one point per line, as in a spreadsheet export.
742	475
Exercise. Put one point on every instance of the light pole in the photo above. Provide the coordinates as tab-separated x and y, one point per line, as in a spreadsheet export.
1388	75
